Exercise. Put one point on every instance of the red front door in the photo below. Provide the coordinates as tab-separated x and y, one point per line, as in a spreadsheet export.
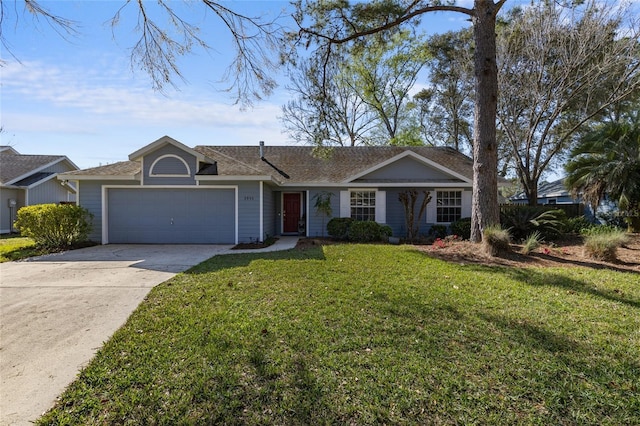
290	212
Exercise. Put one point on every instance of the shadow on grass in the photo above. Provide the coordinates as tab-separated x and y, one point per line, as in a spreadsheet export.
551	279
218	263
544	277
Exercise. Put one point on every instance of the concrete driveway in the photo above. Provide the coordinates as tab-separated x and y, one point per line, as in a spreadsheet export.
57	310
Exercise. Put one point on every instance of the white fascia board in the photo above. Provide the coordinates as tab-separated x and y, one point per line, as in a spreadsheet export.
98	177
214	178
380	185
417	157
39	169
41	181
164	141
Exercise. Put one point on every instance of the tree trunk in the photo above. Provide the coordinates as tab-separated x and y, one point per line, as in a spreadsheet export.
484	209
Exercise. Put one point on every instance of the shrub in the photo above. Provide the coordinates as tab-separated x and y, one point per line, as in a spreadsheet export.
524	220
54	226
440	231
495	240
368	231
603	244
575	225
338	227
531	243
461	228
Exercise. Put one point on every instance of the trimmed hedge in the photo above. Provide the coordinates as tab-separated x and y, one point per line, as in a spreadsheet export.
368	232
338	227
345	228
53	225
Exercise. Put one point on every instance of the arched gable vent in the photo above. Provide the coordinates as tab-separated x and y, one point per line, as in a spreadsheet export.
170	165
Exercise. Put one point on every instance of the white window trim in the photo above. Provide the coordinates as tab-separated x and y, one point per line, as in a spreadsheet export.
434	218
162	157
380	208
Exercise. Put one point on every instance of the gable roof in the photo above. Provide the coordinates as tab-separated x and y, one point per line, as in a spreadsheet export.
16	168
296	165
8	149
166	140
337	165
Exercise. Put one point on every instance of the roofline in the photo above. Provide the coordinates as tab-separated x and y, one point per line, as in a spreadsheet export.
168	140
62	158
234	177
414	155
98	177
47	178
380	185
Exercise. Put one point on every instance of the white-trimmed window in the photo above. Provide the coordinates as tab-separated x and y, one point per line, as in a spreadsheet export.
363	205
448	206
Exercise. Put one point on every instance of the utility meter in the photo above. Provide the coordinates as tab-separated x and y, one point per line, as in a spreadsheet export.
12	202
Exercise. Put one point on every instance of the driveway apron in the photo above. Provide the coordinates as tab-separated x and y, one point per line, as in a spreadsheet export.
57	310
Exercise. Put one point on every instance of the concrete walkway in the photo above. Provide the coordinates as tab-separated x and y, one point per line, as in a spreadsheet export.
56	311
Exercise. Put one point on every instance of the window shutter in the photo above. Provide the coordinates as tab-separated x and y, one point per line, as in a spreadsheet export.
381	206
466	203
345	201
430	215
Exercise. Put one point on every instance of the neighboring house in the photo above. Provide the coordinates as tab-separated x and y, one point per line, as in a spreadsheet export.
549	193
26	180
170	193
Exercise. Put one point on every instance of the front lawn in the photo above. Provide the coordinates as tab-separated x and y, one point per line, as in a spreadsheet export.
13	247
369	334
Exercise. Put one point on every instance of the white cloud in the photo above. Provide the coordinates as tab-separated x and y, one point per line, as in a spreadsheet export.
96	98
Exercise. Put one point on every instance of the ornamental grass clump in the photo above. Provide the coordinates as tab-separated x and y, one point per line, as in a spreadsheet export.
603	243
495	240
531	243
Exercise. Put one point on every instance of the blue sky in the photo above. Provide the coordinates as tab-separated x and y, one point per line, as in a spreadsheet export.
79	97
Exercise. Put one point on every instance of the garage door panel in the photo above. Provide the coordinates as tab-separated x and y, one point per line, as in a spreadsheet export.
187	216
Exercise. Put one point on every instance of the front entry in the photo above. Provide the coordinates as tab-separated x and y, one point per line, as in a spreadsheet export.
291	203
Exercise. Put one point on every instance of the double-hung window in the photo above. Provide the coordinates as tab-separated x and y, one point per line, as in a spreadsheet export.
363	205
448	206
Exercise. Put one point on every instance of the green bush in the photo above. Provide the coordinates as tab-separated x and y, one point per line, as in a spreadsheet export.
54	226
461	228
603	243
368	231
575	225
522	221
338	227
440	231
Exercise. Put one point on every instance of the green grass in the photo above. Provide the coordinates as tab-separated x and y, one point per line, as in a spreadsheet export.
15	248
369	334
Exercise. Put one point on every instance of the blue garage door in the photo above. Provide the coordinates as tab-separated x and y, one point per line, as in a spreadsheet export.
171	216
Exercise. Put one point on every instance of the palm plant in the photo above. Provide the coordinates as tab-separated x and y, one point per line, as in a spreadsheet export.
607	162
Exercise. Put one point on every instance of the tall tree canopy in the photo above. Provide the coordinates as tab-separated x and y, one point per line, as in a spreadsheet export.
559	69
338	22
357	96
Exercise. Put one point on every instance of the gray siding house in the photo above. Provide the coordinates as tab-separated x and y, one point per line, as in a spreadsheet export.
26	180
170	193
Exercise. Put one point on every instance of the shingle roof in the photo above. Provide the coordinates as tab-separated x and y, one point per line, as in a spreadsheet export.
122	168
299	164
556	188
337	165
14	166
